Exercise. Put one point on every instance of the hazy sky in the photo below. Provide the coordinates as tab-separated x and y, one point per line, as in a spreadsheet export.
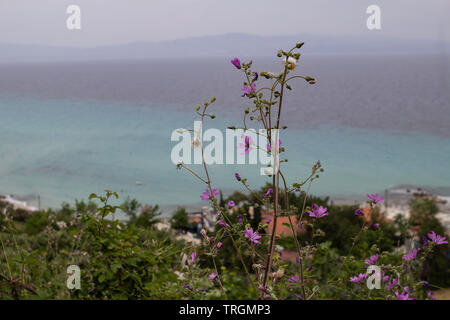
121	21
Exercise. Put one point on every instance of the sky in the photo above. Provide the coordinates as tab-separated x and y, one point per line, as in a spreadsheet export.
106	22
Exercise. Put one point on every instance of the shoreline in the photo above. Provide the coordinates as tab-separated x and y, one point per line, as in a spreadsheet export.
17	204
397	201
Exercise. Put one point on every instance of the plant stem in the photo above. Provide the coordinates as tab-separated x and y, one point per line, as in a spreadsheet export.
276	181
294	234
216	206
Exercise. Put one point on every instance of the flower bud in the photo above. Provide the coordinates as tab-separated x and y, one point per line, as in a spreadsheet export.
279	274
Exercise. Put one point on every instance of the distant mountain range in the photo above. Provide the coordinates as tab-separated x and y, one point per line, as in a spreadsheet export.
227	45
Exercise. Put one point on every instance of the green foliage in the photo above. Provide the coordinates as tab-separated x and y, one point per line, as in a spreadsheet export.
422	209
436	268
179	219
36	223
148	216
130	207
82	207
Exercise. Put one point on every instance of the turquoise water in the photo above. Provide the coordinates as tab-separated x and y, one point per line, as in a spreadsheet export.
64	149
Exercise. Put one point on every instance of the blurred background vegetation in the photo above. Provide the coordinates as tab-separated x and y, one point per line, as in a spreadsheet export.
139	259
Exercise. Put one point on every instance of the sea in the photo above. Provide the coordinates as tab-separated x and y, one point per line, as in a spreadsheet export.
68	129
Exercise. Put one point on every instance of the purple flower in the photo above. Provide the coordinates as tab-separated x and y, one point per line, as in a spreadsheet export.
207	195
318	212
269	221
392	284
219	245
230	204
437	238
376	225
239	218
193	255
408	289
236	62
403	296
253	236
249	89
188	287
294	279
246	145
359	278
372	260
425	284
255	76
212	276
385	278
375	198
268	193
238	177
430	295
309	267
358	212
411	255
223	223
425	240
268	145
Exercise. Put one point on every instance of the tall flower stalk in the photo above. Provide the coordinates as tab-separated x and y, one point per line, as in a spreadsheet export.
268	112
212	192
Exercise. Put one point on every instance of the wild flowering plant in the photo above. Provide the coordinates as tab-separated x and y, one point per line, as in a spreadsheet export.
267	99
255	246
398	274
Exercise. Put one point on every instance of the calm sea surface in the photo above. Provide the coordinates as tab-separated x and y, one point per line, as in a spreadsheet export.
69	129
